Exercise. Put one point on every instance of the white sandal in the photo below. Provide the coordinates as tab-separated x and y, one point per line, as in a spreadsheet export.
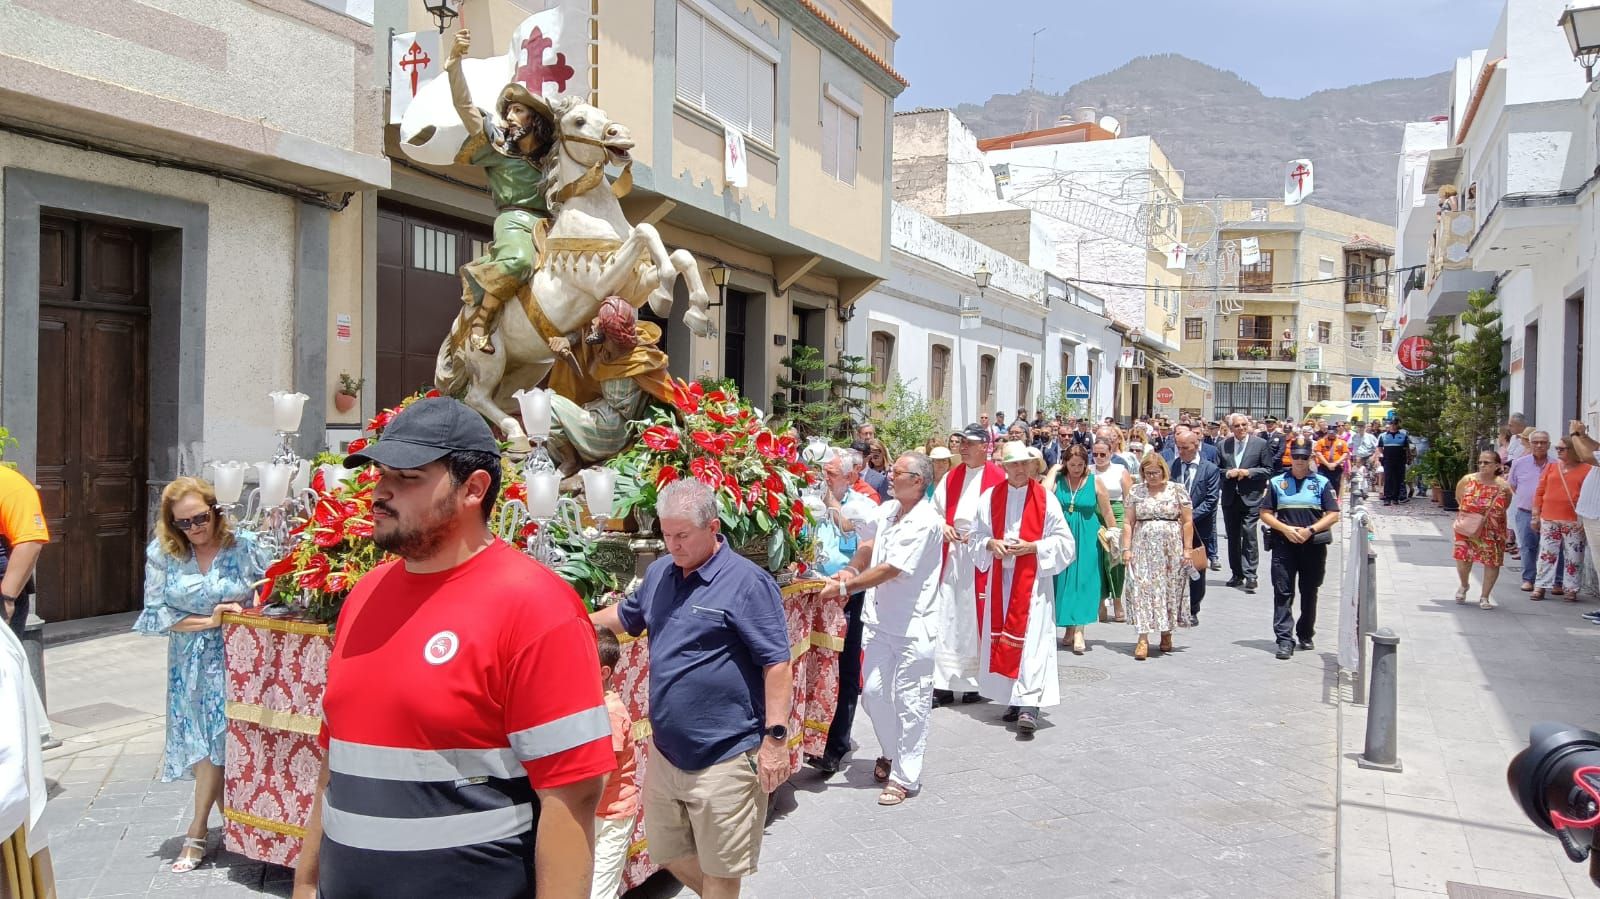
1461	595
1486	603
183	864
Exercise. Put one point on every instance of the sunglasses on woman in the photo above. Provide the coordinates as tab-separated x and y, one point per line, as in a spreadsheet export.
189	524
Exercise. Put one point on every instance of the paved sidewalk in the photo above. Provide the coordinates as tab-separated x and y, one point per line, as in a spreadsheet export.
1471	682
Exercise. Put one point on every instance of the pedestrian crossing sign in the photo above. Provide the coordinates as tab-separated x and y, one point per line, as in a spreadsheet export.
1365	390
1078	387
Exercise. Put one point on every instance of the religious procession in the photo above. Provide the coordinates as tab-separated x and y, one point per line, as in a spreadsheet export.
498	448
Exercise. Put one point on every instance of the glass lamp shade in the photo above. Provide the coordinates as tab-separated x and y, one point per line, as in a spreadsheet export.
542	493
535	403
228	481
286	409
333	476
302	476
815	451
600	490
275	477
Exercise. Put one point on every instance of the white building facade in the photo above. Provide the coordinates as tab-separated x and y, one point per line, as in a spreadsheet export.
1024	332
1521	153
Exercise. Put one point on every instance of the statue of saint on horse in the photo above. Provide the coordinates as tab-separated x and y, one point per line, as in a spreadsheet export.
544	277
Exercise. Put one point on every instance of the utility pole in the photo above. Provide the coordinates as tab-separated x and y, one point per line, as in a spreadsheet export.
1033	54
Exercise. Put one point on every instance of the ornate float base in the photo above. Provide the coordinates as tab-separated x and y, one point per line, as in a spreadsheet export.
277	669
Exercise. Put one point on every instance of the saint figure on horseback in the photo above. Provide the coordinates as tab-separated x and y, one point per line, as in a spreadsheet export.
510	147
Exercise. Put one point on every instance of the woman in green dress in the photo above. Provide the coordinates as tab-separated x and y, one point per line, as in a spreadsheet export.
1117	483
1087	508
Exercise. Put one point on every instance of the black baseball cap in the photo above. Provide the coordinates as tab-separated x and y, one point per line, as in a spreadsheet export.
426	431
976	432
1299	449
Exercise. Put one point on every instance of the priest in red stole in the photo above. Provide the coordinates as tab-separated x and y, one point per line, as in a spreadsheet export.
1021	539
958	656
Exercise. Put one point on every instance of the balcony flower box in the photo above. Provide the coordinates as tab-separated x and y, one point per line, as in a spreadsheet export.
1258	353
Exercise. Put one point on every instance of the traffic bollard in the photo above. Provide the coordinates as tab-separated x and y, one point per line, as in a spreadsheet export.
1381	752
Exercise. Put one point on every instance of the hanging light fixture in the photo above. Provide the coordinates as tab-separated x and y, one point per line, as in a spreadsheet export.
981	277
443	11
1582	25
719	276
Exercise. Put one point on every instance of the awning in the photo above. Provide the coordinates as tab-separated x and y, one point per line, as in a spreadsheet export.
1196	381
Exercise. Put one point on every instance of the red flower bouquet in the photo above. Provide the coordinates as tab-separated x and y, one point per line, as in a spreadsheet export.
716	437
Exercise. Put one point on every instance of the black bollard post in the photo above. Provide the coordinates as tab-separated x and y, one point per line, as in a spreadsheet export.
1381	752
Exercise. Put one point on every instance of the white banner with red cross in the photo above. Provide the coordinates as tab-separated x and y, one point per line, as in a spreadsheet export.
414	59
1297	182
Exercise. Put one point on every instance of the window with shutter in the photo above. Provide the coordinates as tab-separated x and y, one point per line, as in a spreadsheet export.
1024	383
986	382
719	74
939	373
830	138
882	362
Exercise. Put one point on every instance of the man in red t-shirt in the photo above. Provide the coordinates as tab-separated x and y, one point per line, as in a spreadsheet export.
466	735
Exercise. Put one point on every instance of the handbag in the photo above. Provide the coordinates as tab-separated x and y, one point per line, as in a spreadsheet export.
1197	558
1468	524
1111	543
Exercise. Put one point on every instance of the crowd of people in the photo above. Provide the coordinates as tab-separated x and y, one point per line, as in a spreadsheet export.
1536	499
966	568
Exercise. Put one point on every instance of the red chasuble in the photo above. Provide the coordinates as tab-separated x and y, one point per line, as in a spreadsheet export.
953	482
1008	615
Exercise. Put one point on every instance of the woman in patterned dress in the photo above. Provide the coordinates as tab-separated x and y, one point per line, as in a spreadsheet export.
1482	493
1157	526
1087	508
196	570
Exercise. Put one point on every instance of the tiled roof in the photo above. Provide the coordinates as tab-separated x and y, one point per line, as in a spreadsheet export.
854	41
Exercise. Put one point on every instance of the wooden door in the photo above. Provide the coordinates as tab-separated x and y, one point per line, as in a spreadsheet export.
419	294
94	314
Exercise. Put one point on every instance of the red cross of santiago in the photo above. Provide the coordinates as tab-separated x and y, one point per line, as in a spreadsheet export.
415	60
1300	174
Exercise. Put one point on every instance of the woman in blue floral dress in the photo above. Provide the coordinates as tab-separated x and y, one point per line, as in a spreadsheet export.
196	570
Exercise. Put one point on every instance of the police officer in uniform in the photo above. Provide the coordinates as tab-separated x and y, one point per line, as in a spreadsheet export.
1300	509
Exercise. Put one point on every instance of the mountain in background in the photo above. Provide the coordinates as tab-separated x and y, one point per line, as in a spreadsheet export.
1229	139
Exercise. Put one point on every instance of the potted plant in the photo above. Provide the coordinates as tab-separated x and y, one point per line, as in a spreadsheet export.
715	437
1258	353
1449	467
1226	354
344	398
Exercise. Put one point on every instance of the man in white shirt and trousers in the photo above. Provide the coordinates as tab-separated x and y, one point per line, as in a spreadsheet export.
1020	525
959	656
899	620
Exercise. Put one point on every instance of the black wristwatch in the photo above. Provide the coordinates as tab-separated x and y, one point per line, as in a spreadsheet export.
779	732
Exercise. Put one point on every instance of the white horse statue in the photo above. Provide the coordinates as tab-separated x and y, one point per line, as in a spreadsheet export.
591	253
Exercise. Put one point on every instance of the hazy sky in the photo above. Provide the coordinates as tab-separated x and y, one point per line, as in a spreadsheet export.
956	51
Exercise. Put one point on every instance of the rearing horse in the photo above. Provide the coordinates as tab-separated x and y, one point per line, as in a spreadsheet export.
591	253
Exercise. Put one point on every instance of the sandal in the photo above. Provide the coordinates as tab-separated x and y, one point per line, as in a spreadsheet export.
880	769
1536	595
185	863
893	794
1527	587
1486	603
1557	592
1461	595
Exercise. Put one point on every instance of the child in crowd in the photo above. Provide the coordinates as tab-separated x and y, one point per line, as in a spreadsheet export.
619	804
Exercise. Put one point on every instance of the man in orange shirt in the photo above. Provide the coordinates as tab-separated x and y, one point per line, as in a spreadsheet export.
22	537
1329	453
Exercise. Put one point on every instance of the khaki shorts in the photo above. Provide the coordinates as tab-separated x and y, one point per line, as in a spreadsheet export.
716	815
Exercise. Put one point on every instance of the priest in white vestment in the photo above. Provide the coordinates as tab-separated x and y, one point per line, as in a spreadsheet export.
1021	534
958	657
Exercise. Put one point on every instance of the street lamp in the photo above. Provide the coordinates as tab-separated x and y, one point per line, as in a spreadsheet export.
981	277
443	11
1582	25
719	276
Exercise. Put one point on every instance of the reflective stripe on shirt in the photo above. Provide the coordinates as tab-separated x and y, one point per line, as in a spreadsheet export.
395	763
561	734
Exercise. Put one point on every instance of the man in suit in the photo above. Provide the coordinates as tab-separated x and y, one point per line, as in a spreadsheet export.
1247	464
1170	452
1203	480
1277	442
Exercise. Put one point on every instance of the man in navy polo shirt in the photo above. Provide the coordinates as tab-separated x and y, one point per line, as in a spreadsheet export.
720	691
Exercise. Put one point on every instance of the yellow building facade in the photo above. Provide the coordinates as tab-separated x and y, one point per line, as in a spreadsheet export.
1289	331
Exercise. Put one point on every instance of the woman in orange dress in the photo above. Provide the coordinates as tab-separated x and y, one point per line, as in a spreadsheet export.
1482	493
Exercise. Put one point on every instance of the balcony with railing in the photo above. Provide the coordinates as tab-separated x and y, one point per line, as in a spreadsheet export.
1361	298
1449	273
1254	352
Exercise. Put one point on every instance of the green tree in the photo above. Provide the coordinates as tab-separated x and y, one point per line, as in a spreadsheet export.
1474	396
1055	400
906	420
822	398
853	379
1419	402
